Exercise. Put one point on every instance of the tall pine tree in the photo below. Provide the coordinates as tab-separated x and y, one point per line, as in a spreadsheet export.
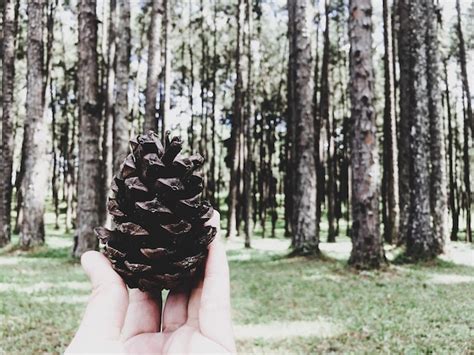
367	249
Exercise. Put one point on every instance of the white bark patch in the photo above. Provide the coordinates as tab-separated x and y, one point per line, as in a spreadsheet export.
320	328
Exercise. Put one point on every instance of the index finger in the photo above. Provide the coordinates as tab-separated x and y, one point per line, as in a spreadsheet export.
215	311
105	312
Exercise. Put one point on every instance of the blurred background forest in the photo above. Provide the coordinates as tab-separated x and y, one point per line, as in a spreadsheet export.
340	129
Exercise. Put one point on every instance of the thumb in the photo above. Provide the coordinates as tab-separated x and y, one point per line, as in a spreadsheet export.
107	306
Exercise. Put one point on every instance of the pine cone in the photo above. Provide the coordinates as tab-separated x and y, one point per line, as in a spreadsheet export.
160	241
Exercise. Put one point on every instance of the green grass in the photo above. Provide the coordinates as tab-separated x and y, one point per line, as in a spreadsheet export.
297	305
393	311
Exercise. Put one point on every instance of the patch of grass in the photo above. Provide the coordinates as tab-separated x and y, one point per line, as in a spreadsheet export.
42	297
53	253
393	311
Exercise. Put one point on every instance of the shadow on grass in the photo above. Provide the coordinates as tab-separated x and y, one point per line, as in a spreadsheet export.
253	257
42	251
339	266
53	253
403	259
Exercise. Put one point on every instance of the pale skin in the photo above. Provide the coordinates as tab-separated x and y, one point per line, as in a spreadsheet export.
118	320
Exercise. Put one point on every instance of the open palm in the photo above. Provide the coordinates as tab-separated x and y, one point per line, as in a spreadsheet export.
121	321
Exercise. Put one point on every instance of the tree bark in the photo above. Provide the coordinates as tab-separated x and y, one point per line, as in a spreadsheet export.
88	195
154	65
468	120
121	119
439	193
248	226
453	189
109	112
463	64
8	82
390	149
420	240
236	129
331	174
305	232
167	80
317	118
404	123
52	104
35	180
367	249
467	170
215	61
323	116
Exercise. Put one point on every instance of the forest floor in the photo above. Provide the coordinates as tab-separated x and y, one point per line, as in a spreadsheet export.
280	304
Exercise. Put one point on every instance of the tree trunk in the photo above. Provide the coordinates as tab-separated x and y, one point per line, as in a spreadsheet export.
453	189
203	84
88	195
290	140
317	118
439	194
248	226
236	129
463	63
323	116
367	249
405	112
121	119
52	104
154	65
35	180
215	61
467	170
331	177
167	80
8	82
109	112
390	149
468	120
190	91
305	232
420	240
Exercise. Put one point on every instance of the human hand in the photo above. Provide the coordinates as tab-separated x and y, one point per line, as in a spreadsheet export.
121	321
